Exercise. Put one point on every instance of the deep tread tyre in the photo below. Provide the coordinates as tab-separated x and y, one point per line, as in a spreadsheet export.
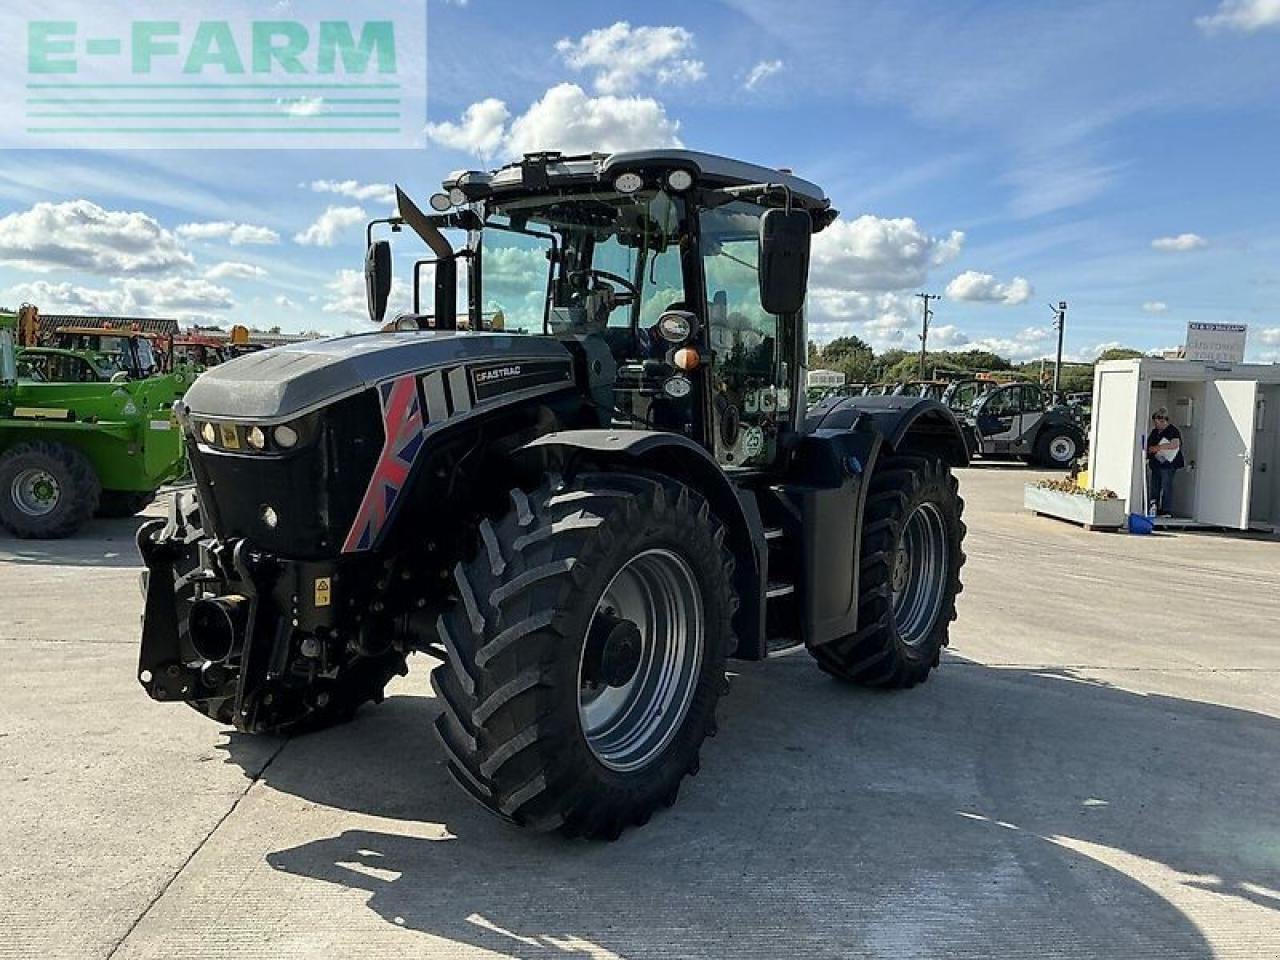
77	490
123	503
1052	447
510	688
877	654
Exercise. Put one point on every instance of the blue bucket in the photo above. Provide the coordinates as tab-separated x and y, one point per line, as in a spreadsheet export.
1140	523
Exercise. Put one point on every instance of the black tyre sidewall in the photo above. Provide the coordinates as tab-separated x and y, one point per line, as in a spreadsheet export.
77	490
937	490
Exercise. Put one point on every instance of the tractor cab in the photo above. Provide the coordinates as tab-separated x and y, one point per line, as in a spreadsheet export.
122	351
676	279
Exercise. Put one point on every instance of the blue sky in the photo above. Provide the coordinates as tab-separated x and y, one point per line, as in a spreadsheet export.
1119	155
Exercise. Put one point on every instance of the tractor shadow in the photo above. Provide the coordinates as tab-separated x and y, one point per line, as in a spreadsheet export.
101	542
993	806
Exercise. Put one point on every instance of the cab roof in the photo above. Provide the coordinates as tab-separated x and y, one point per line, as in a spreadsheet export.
538	171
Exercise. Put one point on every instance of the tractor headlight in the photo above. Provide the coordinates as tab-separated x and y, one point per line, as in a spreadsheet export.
286	437
257	438
677	387
208	434
628	183
679	180
675	327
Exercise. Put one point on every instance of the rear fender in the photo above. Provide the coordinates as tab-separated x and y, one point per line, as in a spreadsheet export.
679	457
907	424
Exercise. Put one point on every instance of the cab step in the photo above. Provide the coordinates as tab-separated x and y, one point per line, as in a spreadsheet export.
777	645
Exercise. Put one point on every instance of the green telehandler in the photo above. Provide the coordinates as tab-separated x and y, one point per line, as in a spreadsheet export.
69	450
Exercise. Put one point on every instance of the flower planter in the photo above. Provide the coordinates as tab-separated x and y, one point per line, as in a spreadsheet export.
1091	514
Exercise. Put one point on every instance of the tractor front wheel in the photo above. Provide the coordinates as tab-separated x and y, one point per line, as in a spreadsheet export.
909	576
47	490
586	652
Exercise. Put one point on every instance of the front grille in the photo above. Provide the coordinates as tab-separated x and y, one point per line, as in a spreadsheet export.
313	491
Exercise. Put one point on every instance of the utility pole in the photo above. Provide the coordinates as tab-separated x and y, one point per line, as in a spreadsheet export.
924	327
1060	322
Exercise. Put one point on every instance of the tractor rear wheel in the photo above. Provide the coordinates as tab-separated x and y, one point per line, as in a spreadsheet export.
47	490
909	576
586	652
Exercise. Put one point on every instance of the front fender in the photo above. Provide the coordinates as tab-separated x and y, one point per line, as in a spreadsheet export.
679	457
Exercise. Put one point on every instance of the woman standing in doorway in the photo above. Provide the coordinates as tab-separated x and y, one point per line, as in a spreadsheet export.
1164	456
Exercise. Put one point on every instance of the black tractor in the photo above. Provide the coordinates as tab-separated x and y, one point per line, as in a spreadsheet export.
582	517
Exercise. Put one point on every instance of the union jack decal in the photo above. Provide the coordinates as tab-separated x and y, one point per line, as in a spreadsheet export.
402	426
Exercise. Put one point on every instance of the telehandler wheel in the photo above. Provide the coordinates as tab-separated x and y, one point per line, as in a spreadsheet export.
47	490
586	652
123	503
1058	447
909	576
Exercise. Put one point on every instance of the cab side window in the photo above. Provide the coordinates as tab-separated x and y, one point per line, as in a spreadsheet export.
1032	399
1003	403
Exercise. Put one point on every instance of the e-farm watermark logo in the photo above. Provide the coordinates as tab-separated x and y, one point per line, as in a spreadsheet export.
205	74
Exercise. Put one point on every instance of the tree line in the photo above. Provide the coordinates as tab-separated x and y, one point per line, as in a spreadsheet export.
855	358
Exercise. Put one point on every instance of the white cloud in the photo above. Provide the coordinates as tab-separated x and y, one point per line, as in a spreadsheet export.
946	336
236	234
624	55
285	303
481	129
1155	306
760	72
234	270
1030	343
565	119
324	232
875	253
80	235
1179	244
130	296
378	192
1244	16
984	288
1270	336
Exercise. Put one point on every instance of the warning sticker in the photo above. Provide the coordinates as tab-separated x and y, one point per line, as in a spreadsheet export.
323	591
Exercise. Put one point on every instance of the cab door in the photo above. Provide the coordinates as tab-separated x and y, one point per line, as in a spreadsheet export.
999	417
1033	404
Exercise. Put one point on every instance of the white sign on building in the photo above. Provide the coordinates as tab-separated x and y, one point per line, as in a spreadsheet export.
1216	342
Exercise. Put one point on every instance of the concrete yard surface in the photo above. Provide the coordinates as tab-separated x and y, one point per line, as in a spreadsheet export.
1092	773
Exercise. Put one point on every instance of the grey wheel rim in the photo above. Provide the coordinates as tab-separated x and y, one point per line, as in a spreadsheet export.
35	492
628	725
920	571
1062	449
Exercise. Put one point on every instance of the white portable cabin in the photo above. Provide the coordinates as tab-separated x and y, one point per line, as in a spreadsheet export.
1229	418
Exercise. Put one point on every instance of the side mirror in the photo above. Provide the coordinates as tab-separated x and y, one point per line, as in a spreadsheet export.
377	278
785	237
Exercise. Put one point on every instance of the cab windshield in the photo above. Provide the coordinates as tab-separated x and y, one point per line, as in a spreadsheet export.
602	262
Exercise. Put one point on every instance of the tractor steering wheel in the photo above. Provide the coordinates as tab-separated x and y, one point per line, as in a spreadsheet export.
630	294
